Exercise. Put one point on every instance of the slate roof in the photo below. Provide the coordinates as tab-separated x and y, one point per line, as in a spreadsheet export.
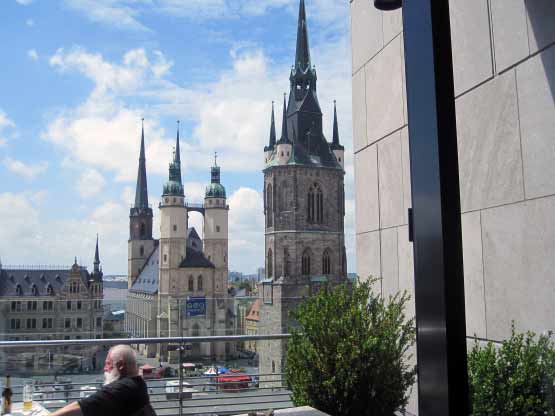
147	281
26	278
196	259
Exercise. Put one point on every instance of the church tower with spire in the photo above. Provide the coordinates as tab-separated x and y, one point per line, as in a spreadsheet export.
141	243
304	205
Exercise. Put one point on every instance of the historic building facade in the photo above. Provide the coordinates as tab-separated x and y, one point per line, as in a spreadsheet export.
178	284
41	303
303	205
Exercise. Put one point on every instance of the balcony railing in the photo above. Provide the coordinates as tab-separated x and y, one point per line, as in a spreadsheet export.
201	394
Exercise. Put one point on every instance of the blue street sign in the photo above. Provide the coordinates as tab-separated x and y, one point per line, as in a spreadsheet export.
195	306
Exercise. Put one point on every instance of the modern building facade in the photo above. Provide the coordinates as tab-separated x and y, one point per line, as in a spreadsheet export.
504	72
178	284
304	206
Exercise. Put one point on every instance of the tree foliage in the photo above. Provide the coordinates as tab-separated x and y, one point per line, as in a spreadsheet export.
516	378
349	353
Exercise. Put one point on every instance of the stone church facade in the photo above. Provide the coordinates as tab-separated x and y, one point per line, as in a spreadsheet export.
178	284
304	206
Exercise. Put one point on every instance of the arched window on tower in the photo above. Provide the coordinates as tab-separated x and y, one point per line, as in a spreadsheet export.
142	251
286	261
284	198
326	262
191	286
315	206
269	207
199	283
143	229
270	267
305	263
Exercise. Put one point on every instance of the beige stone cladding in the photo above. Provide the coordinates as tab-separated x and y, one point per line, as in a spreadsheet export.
504	73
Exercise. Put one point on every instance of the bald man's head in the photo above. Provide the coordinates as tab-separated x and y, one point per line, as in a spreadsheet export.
121	362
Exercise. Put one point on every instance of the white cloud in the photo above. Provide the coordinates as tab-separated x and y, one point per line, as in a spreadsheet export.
121	14
30	22
246	230
33	55
28	171
28	237
90	183
24	2
5	124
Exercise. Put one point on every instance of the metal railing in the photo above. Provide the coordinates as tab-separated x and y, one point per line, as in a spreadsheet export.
177	395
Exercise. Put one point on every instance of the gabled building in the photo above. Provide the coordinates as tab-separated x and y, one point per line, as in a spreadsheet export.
178	283
304	205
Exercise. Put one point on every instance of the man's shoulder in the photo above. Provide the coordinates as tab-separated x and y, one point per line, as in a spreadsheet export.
127	383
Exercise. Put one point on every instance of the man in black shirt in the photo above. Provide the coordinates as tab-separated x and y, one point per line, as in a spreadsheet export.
124	392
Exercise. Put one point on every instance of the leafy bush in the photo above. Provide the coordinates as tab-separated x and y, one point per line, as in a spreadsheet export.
516	378
348	356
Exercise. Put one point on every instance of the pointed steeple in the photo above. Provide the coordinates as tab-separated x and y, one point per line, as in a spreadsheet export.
272	142
215	189
177	156
335	143
302	56
284	134
141	192
174	186
96	257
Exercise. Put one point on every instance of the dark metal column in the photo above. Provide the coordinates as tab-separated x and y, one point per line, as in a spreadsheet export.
439	280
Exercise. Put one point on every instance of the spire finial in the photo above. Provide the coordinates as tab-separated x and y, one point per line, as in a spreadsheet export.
215	158
177	157
272	131
96	257
335	141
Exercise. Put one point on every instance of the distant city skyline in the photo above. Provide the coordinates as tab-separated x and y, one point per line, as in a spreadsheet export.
77	81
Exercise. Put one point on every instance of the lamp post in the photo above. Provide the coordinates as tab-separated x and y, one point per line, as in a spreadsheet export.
435	219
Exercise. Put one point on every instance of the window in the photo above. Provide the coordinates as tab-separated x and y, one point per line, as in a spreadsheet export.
270	264
79	322
315	207
67	323
68	305
326	262
50	290
143	229
142	251
286	261
269	207
165	258
175	227
196	330
98	322
34	290
15	323
273	366
79	305
47	305
74	287
217	228
199	283
32	305
305	263
18	290
47	323
284	200
14	306
31	323
191	284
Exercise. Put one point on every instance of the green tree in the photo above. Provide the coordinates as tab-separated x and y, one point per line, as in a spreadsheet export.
516	378
349	353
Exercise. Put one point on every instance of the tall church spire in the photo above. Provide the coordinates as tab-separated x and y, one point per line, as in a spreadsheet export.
272	132
302	56
284	134
96	257
141	192
335	145
177	156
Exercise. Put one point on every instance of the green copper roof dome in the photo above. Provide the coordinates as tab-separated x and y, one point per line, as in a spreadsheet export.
215	189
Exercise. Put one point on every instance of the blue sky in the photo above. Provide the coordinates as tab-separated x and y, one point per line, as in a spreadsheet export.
78	75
